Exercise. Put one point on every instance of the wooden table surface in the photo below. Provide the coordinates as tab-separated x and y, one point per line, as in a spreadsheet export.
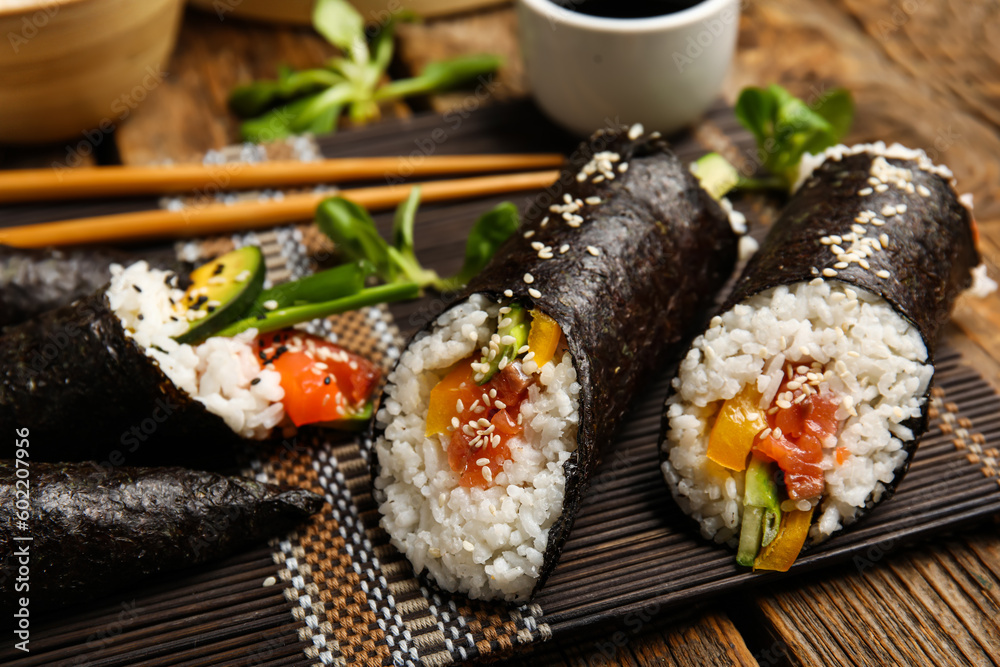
923	72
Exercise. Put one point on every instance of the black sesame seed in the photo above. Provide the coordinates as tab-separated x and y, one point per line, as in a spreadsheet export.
262	317
255	381
262	355
137	289
211	309
219	268
141	317
326	380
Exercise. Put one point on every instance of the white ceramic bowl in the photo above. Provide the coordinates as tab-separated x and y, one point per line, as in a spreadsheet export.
587	72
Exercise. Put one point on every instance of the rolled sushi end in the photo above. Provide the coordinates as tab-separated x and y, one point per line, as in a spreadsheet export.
471	462
224	374
821	381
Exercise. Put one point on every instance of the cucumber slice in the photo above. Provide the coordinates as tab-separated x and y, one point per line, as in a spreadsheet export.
222	290
762	491
751	530
356	422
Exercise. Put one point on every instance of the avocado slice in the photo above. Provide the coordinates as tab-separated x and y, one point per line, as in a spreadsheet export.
222	290
517	328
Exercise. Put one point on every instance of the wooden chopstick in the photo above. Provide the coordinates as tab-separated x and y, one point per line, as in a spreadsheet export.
217	218
91	182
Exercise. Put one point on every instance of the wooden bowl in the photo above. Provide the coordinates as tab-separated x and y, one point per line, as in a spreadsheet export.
299	12
78	66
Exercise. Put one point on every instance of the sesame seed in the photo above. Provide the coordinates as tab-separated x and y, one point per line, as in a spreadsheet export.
882	273
563	249
487	474
455	422
826	240
467	545
529	356
900	209
535	294
528	278
836	239
593	251
874	181
865	192
523	349
508	340
864	264
528	234
544	221
924	192
636	131
840	265
537	245
598	179
888	210
885	240
270	304
483	461
500	405
593	201
504	323
493	393
545	254
623	167
881	188
508	293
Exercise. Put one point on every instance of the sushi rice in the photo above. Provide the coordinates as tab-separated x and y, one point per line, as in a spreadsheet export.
219	373
869	356
488	543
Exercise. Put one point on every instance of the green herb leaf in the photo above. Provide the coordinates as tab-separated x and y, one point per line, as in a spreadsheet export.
441	75
341	24
490	231
255	98
786	128
353	231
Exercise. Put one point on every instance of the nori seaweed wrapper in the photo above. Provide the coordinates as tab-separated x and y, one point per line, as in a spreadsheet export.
929	258
662	250
89	392
96	530
33	281
931	252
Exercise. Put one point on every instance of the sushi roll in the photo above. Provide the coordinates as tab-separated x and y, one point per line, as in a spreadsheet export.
800	407
94	530
496	413
33	281
139	372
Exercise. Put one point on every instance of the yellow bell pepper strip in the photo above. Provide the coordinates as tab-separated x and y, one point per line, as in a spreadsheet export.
782	552
543	338
738	423
458	384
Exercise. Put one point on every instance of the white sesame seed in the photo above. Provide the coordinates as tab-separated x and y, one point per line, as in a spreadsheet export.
528	234
874	181
523	349
537	245
508	293
900	209
544	221
593	251
881	188
865	192
529	356
636	131
882	273
826	240
500	405
528	278
829	273
508	340
563	249
487	473
924	192
535	294
888	210
483	461
467	545
270	304
545	254
840	265
598	179
623	167
836	239
864	264
593	201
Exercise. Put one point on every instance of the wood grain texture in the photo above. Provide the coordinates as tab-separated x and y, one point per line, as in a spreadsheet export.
901	95
936	606
702	639
187	114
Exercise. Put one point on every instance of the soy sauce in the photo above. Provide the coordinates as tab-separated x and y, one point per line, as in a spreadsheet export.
627	9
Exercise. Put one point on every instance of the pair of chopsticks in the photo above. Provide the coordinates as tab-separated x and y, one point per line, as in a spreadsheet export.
215	218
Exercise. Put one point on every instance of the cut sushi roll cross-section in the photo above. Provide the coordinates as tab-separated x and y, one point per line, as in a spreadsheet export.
147	371
494	417
799	408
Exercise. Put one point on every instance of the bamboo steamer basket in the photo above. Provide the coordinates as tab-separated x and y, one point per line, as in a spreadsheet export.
70	67
299	12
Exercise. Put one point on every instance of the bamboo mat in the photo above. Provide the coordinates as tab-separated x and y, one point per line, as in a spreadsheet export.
336	593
